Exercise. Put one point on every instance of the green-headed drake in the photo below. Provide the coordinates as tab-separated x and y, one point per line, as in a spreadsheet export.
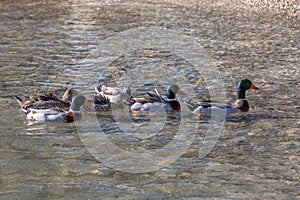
58	115
46	101
203	108
155	102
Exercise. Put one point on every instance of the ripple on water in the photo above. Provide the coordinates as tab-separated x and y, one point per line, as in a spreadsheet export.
255	157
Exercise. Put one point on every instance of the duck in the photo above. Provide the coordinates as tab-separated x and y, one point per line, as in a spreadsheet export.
57	115
155	102
107	98
102	103
205	108
46	101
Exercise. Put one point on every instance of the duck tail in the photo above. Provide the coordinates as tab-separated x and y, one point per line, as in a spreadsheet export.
190	105
98	89
19	100
127	90
132	101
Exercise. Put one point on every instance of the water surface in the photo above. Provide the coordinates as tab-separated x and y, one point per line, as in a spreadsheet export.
46	46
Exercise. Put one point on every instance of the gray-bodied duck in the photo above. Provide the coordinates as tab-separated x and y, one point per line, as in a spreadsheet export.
204	108
155	102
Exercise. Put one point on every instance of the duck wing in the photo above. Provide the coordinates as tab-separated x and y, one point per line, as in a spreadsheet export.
41	102
141	100
206	104
50	104
191	106
101	99
156	96
47	97
209	103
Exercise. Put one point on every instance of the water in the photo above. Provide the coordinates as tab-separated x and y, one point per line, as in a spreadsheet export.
55	45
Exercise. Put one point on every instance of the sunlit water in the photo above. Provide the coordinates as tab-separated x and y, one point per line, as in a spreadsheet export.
54	46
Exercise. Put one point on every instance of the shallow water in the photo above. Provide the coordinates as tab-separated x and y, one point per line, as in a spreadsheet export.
54	46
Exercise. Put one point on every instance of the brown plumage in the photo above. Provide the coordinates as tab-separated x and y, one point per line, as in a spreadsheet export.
46	101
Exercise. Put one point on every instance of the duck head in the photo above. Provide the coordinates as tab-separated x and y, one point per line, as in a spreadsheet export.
78	101
244	85
172	90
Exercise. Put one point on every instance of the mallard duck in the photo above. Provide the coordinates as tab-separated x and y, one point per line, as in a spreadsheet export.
102	103
203	108
46	101
114	94
155	102
107	98
58	115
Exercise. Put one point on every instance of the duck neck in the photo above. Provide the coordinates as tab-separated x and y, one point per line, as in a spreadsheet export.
241	94
171	95
74	106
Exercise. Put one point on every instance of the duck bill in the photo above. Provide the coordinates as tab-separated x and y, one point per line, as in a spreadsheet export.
88	104
254	87
181	93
